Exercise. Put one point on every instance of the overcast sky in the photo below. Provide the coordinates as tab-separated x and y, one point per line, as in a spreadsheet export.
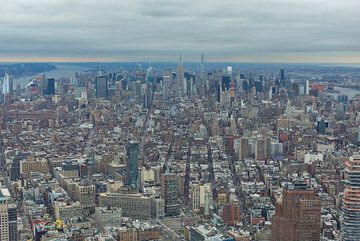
157	30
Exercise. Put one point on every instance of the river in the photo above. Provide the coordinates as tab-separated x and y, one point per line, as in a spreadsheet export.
67	71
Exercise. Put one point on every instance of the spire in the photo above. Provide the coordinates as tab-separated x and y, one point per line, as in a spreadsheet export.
180	57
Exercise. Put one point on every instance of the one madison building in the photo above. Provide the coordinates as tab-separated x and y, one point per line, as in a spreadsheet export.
350	226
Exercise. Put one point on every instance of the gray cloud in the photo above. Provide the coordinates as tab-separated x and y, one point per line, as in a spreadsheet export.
236	30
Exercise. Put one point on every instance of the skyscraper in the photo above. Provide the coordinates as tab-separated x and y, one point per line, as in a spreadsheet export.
8	84
201	198
244	148
297	215
150	74
4	219
307	87
202	68
180	77
260	149
169	191
12	220
102	87
282	74
132	161
50	90
350	226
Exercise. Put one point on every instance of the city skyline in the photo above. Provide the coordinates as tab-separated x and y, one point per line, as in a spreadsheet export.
233	31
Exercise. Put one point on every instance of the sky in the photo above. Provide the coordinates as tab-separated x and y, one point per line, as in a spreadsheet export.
299	31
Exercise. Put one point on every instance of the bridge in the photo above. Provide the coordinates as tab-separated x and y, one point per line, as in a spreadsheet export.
354	87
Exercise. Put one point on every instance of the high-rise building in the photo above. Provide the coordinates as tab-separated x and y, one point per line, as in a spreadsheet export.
132	161
16	165
8	86
8	217
50	90
282	74
225	83
102	87
12	218
260	149
322	124
244	148
307	87
231	213
350	226
202	68
150	77
297	215
201	198
4	219
180	77
169	191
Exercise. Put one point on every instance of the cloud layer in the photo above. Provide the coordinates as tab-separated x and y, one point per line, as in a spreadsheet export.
225	30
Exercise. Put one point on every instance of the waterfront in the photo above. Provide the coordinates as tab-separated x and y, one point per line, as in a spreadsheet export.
67	71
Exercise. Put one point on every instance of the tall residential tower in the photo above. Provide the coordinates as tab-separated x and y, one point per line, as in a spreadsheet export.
350	226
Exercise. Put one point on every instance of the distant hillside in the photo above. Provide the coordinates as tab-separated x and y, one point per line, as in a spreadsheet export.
26	69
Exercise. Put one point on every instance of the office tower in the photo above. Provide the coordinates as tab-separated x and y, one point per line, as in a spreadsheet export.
244	148
268	147
132	161
180	78
147	96
202	67
231	213
150	74
350	226
201	198
307	88
12	220
282	74
225	83
169	191
229	71
102	88
2	153
85	194
8	84
4	219
50	86
297	215
322	124
15	166
260	149
195	197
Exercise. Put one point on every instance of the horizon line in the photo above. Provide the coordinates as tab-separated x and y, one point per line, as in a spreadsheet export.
108	60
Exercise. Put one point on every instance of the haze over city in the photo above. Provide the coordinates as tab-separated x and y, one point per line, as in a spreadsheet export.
307	31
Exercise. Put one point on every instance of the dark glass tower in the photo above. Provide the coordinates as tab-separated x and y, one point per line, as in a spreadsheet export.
132	160
102	87
50	86
282	74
